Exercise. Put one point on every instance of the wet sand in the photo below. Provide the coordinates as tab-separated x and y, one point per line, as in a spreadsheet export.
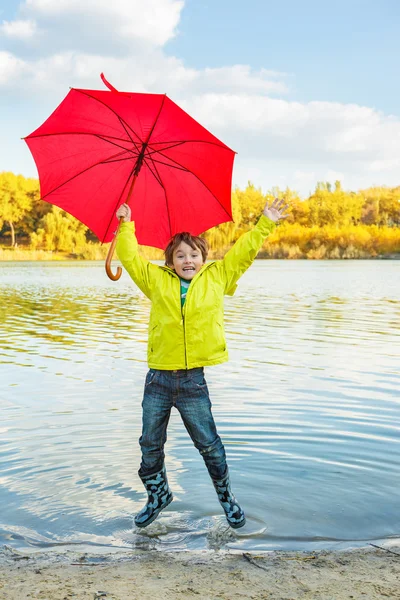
359	574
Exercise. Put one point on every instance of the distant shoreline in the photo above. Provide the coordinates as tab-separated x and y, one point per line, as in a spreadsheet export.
47	256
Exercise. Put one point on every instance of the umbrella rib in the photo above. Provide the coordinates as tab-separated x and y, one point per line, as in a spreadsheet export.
160	181
155	174
128	134
169	165
177	142
112	160
135	169
155	120
111	109
166	148
117	203
105	161
77	175
102	136
117	145
197	177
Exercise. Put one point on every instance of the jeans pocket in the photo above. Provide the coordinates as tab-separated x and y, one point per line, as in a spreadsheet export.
197	379
150	377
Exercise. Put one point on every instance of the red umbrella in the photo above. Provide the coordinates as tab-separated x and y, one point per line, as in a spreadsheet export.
98	145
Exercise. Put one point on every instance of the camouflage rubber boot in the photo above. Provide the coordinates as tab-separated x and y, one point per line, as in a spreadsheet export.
234	514
159	496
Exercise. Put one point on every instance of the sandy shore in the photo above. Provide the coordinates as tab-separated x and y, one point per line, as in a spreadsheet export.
365	574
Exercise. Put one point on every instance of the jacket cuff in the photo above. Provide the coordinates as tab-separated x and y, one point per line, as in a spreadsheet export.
265	225
127	226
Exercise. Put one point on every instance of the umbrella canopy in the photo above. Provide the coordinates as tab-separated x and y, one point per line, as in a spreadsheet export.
96	143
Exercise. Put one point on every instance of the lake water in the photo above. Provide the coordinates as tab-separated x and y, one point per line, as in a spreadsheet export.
308	408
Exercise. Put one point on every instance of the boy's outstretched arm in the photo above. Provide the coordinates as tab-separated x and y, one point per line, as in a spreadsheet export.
141	270
239	258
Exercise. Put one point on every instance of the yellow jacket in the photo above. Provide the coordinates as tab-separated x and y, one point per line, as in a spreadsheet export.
192	336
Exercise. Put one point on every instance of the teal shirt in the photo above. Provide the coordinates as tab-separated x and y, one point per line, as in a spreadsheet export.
184	288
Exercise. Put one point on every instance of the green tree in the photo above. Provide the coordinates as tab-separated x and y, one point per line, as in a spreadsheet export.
381	206
59	231
323	208
250	201
334	207
16	197
32	219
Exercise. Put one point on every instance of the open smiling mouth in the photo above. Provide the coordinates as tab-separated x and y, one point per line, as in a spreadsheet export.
188	269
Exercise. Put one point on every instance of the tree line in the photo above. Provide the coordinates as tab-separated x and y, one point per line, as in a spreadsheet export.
330	223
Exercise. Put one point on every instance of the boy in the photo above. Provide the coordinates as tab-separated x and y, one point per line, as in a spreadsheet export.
186	333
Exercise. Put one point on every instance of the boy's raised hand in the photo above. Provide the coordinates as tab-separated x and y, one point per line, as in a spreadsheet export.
124	212
276	210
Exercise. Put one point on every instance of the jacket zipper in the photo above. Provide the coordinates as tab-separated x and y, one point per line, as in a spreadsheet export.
183	321
184	335
182	313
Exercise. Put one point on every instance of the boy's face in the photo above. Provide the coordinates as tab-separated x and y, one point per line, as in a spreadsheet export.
186	261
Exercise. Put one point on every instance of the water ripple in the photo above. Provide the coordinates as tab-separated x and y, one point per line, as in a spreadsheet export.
308	408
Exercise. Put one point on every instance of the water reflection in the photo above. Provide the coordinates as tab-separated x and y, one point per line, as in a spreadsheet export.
308	408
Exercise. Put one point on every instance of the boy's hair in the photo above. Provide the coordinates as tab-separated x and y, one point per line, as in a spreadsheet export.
194	241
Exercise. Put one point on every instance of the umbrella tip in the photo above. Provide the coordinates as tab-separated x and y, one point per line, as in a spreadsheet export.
107	83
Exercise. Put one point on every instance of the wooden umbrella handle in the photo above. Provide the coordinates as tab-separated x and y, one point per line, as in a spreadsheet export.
110	255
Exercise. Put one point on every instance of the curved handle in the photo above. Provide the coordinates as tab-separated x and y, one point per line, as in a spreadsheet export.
110	255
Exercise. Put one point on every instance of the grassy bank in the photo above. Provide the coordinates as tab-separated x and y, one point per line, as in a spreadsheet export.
90	252
19	254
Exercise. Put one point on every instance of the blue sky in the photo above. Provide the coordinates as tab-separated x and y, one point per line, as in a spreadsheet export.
303	91
343	51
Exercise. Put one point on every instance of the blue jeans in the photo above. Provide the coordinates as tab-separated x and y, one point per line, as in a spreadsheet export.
187	391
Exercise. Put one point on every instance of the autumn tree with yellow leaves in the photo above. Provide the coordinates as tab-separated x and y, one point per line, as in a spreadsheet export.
17	197
330	223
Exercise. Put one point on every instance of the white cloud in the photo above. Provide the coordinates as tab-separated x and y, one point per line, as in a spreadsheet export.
328	132
19	29
251	112
240	77
388	164
10	68
279	141
153	21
